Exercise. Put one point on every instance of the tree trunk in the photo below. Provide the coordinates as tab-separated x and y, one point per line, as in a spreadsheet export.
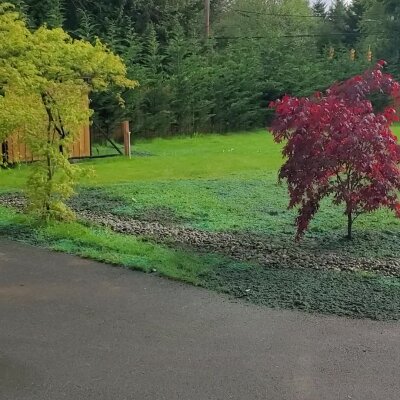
49	179
349	226
47	200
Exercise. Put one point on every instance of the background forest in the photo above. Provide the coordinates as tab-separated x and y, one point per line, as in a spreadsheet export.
257	51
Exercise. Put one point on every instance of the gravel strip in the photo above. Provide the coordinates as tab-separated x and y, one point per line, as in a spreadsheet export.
240	247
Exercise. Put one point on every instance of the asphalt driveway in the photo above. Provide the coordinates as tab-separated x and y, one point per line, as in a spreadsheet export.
75	329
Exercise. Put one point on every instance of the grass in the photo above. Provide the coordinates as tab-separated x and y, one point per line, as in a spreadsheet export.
202	156
105	149
245	154
103	245
219	183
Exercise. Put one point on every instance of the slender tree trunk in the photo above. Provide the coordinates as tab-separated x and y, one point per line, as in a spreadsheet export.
47	200
349	225
49	179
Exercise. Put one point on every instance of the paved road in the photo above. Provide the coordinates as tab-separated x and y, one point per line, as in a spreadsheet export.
74	329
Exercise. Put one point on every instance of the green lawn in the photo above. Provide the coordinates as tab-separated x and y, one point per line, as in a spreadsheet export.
219	183
204	156
245	154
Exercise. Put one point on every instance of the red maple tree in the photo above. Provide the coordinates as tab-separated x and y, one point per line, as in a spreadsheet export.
337	144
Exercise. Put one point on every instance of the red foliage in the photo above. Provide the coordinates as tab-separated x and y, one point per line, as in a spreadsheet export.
336	144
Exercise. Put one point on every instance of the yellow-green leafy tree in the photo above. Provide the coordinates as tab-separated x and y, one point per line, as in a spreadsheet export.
45	79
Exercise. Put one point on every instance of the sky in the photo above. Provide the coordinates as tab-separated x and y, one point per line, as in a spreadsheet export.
329	2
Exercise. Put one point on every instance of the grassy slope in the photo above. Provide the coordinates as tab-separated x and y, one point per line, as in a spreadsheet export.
219	183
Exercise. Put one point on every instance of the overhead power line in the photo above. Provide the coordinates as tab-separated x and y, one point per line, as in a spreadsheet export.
297	36
285	15
277	15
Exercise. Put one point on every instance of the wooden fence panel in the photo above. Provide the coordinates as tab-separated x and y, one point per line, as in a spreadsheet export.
18	150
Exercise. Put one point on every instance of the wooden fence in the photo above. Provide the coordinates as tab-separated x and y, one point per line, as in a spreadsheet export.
16	150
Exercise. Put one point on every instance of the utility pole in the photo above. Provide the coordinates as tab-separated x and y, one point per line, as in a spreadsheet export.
207	17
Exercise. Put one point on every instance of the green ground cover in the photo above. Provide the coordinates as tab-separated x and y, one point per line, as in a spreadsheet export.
219	183
243	205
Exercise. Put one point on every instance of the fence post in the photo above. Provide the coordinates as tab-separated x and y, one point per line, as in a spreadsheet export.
127	138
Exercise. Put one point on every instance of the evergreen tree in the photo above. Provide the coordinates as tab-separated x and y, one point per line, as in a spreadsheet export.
319	9
261	51
49	12
355	13
338	24
54	17
392	50
381	26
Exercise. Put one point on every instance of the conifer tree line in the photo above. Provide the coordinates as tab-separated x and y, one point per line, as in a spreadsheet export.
258	51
